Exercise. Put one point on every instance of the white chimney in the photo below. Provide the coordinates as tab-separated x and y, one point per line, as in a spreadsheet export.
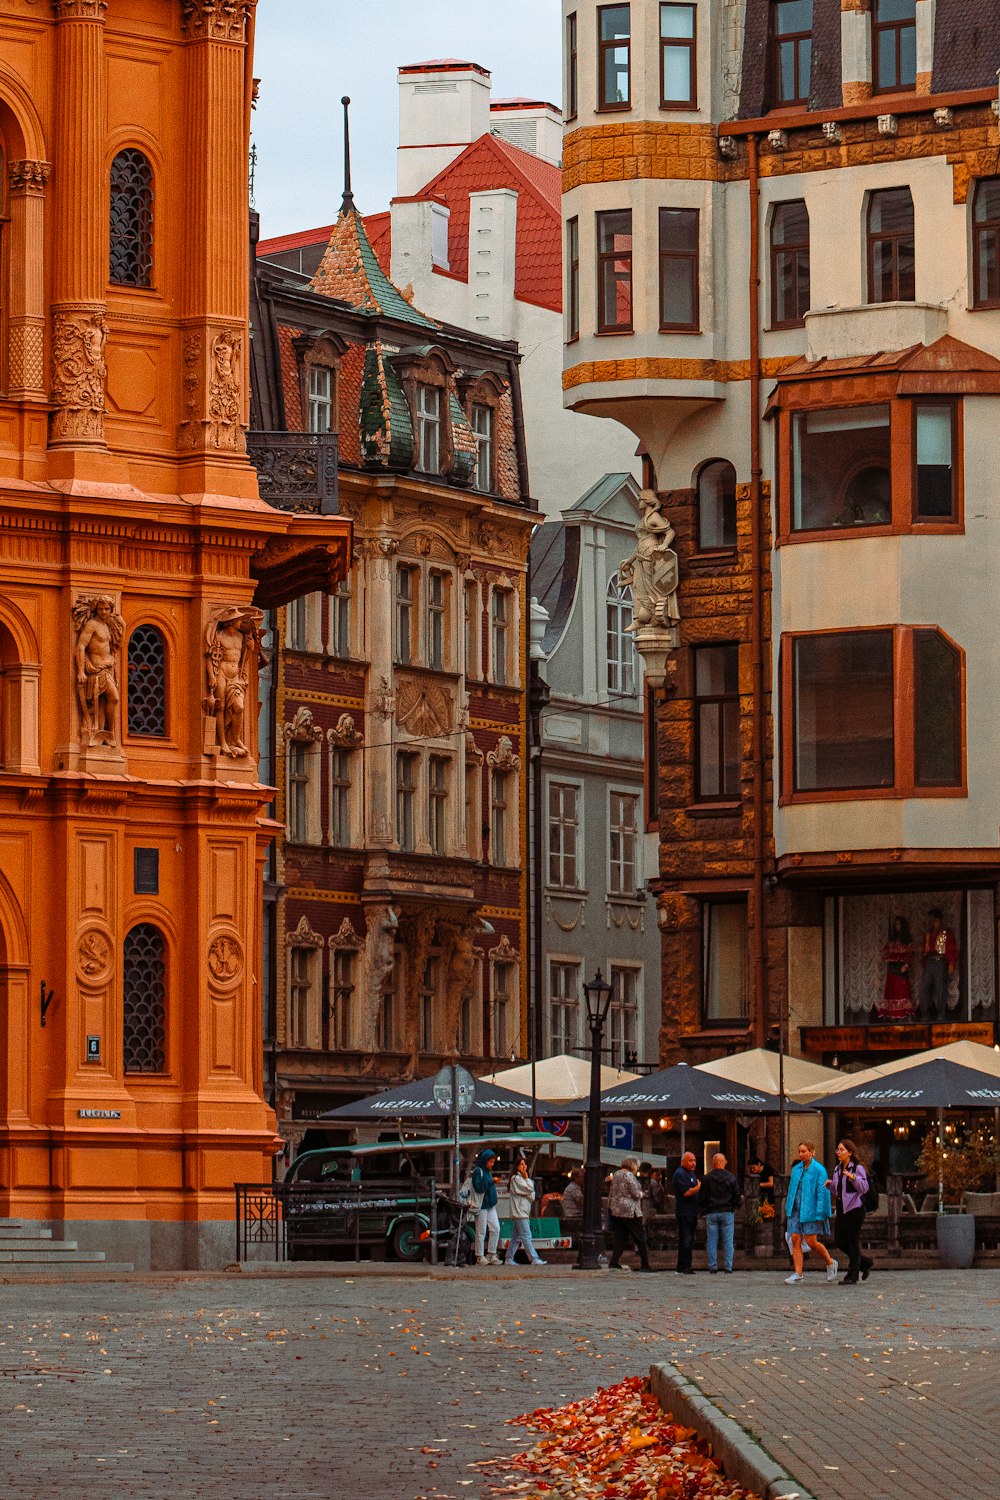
531	124
444	106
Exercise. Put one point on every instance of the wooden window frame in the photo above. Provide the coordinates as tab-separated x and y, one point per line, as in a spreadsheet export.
701	797
690	258
869	391
795	251
483	411
558	823
341	791
406	788
437	804
691	44
572	279
774	51
880	30
620	673
895	238
317	402
605	257
725	549
436	620
617	868
905	785
710	1022
979	302
572	66
618	1010
407	604
430	422
501	785
603	46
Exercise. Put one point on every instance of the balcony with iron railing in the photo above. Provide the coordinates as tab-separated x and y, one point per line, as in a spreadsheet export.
296	470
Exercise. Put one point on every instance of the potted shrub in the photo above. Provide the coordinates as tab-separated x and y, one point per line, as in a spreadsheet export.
760	1219
957	1164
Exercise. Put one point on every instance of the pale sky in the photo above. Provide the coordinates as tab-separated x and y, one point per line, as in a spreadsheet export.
310	52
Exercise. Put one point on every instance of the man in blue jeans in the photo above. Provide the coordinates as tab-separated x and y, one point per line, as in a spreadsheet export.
718	1200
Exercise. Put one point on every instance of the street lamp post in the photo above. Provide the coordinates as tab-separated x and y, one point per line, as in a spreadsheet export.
598	994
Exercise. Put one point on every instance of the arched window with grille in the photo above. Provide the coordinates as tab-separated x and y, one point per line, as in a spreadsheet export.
144	989
621	648
147	682
131	225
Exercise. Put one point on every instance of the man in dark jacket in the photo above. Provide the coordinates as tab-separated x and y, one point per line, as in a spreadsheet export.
719	1199
686	1186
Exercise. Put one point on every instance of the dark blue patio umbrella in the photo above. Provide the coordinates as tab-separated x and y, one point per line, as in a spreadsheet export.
685	1088
415	1101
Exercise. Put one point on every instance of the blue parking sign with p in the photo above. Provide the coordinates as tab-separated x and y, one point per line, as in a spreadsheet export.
618	1135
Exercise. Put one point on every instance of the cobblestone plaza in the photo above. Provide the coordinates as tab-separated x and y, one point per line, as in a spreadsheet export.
391	1385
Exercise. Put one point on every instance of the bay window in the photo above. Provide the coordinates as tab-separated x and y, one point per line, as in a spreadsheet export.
614	271
679	270
614	56
841	468
678	56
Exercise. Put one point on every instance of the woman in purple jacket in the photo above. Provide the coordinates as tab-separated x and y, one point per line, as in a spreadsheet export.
848	1186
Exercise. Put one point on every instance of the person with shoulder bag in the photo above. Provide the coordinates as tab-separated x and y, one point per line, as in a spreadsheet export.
850	1188
522	1196
487	1219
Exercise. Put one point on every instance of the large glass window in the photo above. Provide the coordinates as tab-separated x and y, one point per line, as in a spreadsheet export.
623	1015
405	601
614	57
623	844
564	1007
482	426
986	243
144	993
791	51
937	710
298	793
679	269
724	961
935	486
500	631
843	692
572	72
564	831
891	265
131	226
841	468
678	56
894	45
500	783
406	791
320	398
147	682
614	271
621	644
429	429
572	278
340	798
717	723
789	264
436	617
437	802
716	506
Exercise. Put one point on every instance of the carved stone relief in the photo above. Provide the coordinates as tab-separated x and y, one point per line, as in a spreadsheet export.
94	956
472	750
98	630
218	20
459	954
346	937
383	700
504	952
302	730
232	651
503	757
225	958
304	936
225	392
79	10
345	736
29	176
79	375
416	934
425	709
380	928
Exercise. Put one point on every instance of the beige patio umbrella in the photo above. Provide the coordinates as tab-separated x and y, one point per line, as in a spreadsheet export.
975	1055
558	1079
758	1069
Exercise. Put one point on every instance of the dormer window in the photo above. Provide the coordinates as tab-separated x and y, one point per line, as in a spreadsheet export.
791	51
482	426
320	398
429	419
894	45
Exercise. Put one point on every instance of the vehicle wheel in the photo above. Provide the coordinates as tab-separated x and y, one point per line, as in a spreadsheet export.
405	1240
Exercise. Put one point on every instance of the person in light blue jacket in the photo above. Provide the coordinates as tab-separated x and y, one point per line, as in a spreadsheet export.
807	1210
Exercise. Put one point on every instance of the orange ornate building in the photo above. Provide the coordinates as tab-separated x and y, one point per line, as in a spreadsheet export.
135	562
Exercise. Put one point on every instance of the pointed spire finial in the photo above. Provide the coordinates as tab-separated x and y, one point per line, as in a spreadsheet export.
347	203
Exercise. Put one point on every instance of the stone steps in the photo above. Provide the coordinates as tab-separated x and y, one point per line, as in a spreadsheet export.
32	1250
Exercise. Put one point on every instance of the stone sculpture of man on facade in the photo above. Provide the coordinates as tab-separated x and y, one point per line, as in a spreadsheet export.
99	631
652	569
233	641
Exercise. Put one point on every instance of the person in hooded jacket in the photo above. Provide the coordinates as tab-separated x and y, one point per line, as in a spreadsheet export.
522	1196
487	1219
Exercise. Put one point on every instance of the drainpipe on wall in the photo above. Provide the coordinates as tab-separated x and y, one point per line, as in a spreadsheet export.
757	665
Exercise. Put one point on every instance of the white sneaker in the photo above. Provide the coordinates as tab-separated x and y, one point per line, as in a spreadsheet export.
831	1271
494	1260
482	1260
791	1280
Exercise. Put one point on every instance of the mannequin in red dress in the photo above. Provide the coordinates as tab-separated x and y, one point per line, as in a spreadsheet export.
897	955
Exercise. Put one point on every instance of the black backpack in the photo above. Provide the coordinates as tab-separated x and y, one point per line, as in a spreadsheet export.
869	1199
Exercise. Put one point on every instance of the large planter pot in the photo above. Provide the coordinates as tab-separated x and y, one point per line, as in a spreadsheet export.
956	1237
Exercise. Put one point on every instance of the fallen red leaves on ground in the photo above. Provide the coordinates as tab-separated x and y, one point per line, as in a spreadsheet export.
615	1445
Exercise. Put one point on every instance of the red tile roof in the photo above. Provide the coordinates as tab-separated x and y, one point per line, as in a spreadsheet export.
445	65
489	162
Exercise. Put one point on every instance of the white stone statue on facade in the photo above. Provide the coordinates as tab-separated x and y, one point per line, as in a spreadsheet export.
652	570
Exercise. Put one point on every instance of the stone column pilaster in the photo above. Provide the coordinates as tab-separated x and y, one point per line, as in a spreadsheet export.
79	323
28	180
380	704
215	396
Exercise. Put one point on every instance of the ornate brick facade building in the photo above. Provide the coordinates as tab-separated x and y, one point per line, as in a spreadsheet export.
136	561
399	894
785	223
